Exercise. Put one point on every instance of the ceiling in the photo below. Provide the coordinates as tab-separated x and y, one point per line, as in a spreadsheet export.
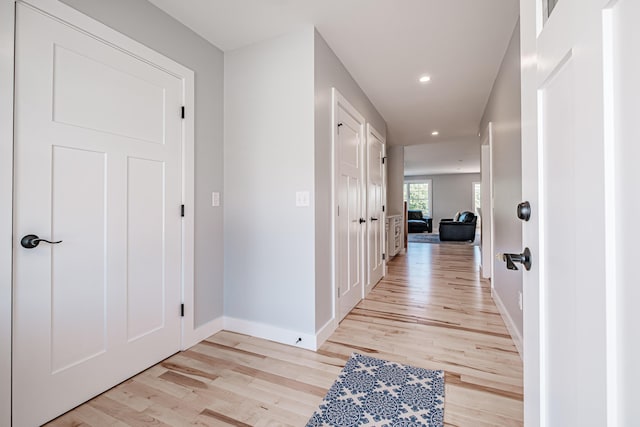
386	45
444	157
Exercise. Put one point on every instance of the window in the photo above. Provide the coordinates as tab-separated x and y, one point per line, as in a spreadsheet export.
418	196
475	192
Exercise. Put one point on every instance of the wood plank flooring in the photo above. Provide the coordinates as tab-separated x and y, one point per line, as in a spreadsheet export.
431	310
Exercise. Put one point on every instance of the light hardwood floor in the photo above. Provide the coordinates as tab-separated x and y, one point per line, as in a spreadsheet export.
432	310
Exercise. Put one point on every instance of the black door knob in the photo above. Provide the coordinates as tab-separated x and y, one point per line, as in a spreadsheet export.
31	241
524	258
362	220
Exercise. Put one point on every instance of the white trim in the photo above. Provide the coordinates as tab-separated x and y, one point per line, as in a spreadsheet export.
508	321
492	236
89	26
203	332
338	100
7	13
324	333
189	330
271	333
611	215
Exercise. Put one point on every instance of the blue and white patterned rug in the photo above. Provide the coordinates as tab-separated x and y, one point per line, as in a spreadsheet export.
375	392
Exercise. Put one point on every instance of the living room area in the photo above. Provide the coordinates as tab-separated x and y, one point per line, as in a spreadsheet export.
442	191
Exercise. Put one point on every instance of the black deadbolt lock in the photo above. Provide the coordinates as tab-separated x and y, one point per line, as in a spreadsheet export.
524	211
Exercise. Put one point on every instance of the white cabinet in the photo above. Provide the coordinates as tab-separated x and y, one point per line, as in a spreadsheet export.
394	233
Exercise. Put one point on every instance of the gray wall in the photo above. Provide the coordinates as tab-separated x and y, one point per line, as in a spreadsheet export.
330	72
450	193
503	110
395	180
269	156
150	26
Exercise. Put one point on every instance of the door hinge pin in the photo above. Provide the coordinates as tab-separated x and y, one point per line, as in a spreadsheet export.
182	211
182	112
181	310
384	256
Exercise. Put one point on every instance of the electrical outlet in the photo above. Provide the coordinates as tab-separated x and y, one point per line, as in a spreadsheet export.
520	300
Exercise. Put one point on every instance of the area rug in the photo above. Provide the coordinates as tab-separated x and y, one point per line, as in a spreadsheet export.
434	238
375	392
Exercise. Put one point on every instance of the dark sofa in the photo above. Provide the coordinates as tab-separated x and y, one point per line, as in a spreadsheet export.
462	228
417	223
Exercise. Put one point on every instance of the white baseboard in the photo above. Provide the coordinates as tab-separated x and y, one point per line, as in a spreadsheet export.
325	332
271	333
260	330
511	326
203	332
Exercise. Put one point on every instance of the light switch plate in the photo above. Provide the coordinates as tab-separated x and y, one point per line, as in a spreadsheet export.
302	198
215	199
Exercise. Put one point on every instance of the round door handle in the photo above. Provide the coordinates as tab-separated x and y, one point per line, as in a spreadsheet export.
31	241
362	220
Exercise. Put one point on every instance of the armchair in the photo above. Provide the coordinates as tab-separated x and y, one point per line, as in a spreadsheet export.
459	229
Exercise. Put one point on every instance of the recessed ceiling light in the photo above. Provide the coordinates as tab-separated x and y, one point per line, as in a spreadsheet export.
425	79
435	133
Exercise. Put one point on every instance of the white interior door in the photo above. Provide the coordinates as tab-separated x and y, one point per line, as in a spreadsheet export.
97	167
375	202
350	222
566	357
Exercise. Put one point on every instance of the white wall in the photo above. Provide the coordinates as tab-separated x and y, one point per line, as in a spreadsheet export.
6	179
450	193
503	111
330	72
150	26
395	180
269	156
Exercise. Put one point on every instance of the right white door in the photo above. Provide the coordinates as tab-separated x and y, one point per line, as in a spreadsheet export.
569	314
375	202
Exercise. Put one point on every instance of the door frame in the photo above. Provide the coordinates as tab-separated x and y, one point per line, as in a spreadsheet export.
486	205
372	132
338	100
7	13
83	23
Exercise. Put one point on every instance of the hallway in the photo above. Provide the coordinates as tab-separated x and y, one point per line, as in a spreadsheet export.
431	311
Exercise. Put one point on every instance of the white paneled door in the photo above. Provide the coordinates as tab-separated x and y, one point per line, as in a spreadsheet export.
350	222
375	202
98	140
569	174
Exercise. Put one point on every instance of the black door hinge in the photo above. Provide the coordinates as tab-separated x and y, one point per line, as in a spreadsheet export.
182	112
384	256
382	208
383	159
182	211
181	310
